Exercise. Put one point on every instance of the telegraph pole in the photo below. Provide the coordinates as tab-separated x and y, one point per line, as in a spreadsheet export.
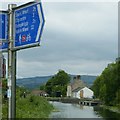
11	64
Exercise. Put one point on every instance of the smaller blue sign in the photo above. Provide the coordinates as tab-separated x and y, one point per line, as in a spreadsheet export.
9	93
3	31
29	22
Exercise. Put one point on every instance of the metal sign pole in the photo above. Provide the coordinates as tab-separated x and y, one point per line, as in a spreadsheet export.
11	65
13	91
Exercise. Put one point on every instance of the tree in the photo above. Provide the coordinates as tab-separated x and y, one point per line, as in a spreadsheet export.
48	86
58	83
118	97
42	87
96	87
107	85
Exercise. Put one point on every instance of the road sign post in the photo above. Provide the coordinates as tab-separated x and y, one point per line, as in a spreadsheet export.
11	65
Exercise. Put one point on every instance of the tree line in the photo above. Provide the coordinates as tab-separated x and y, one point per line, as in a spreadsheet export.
107	86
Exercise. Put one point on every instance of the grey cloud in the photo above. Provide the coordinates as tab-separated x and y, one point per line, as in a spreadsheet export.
48	68
77	37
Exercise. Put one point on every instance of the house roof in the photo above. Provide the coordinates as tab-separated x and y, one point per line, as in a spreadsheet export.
38	92
77	84
77	89
87	89
81	88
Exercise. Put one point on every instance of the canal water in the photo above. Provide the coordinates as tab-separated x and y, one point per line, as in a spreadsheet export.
65	110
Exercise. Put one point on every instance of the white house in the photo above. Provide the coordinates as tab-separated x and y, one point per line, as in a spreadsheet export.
83	93
77	83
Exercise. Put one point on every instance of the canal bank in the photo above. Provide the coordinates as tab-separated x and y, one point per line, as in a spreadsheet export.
68	110
89	102
111	108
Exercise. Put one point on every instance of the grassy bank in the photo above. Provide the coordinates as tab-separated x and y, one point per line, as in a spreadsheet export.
33	107
112	108
30	107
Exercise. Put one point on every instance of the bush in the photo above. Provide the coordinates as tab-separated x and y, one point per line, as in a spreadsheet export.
118	106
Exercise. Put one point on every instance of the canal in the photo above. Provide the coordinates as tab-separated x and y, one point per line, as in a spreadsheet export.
65	110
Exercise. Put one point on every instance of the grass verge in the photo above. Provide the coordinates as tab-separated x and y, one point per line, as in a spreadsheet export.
29	107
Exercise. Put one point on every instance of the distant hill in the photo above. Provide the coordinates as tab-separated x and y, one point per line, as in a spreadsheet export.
35	82
32	82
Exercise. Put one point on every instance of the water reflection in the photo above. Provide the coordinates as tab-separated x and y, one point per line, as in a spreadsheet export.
78	111
73	111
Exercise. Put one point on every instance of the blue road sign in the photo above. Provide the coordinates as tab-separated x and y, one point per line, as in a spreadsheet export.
3	30
29	22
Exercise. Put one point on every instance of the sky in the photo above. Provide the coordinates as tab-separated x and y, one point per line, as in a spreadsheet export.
78	37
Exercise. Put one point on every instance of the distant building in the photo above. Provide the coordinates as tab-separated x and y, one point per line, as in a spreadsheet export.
39	93
2	66
77	83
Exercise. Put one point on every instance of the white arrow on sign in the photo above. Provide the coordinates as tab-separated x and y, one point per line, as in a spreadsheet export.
41	22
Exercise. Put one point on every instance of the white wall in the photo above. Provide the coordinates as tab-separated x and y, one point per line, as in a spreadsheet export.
69	91
87	93
78	94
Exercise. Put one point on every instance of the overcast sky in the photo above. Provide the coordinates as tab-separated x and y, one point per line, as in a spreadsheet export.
78	37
